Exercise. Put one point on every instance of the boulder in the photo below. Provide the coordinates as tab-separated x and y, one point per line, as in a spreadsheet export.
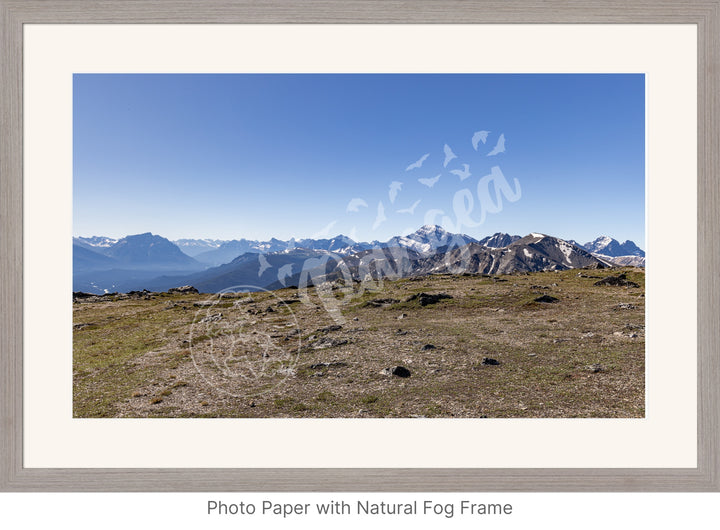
545	299
400	371
331	364
185	289
427	299
327	329
625	306
329	343
620	280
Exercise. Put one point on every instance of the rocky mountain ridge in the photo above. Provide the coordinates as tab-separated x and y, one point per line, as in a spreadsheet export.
152	262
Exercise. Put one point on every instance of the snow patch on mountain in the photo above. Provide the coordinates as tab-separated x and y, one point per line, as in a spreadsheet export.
567	250
97	242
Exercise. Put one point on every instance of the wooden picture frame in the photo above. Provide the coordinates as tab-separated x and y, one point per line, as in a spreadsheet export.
15	13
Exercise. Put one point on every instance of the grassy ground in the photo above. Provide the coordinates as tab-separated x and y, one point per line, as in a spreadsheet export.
582	356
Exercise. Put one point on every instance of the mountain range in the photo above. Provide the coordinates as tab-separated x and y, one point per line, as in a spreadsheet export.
103	264
608	246
193	247
142	251
147	261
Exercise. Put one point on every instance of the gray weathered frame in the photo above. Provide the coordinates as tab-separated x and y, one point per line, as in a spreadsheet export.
15	13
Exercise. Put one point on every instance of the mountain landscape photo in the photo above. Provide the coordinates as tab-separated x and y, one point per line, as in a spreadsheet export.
369	266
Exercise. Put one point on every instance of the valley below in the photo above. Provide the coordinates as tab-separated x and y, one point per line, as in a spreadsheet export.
549	344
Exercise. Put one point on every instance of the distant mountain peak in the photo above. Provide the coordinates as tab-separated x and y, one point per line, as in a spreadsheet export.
498	240
428	238
147	249
602	240
141	238
431	228
97	242
193	247
608	246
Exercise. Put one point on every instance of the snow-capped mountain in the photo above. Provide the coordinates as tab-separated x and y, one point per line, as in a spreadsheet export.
552	253
607	246
95	242
498	240
193	247
135	262
534	252
339	244
428	239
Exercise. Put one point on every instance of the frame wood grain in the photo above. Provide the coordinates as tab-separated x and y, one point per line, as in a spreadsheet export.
15	13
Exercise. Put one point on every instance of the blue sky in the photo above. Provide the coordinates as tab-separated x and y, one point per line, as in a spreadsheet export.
257	156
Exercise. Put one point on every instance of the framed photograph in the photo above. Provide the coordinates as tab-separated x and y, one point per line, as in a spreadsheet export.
446	246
